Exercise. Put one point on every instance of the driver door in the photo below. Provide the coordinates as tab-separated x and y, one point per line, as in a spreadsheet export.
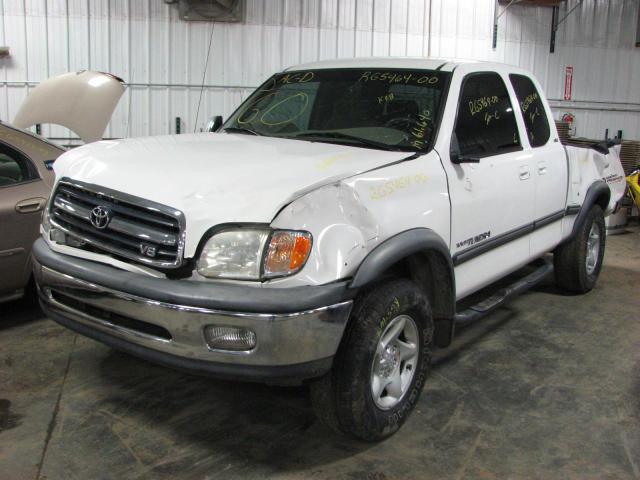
490	183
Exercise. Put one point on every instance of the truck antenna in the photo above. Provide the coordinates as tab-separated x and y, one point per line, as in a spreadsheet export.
204	74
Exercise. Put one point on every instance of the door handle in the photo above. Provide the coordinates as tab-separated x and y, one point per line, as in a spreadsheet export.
524	172
542	168
31	205
11	252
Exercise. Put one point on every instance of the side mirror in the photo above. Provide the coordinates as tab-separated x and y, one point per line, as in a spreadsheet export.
455	155
602	147
458	159
215	123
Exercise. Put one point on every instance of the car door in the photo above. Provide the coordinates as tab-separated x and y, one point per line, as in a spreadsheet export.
490	182
550	170
23	195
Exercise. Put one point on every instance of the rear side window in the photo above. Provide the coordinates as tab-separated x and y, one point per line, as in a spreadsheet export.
486	124
535	117
15	168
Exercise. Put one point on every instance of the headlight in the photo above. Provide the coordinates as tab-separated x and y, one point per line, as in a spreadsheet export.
254	254
233	254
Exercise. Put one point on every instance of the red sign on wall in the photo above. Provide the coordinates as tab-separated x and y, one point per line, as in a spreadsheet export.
568	83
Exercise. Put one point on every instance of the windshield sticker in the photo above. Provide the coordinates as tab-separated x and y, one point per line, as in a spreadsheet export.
392	186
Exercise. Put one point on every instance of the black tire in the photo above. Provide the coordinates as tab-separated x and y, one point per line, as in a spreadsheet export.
570	259
342	399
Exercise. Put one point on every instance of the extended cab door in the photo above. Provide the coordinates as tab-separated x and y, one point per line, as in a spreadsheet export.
549	162
490	177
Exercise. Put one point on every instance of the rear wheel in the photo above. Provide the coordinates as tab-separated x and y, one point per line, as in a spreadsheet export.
382	364
578	262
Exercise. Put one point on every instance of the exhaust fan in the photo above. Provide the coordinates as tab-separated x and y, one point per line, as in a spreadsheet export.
210	10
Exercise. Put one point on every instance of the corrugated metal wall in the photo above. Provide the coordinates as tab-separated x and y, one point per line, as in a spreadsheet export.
162	57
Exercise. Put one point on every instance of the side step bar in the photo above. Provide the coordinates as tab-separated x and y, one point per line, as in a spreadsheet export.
476	312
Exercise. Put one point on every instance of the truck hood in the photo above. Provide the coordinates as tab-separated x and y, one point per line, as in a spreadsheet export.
81	101
216	178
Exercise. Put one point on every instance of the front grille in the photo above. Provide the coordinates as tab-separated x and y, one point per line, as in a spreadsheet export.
134	228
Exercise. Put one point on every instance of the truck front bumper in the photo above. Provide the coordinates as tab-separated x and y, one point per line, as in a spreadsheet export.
297	330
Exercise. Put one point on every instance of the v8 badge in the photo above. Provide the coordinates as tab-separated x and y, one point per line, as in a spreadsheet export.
148	250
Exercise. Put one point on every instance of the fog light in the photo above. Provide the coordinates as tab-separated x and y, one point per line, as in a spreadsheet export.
229	338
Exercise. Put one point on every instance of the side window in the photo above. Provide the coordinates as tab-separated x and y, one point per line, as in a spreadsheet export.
486	123
14	167
532	108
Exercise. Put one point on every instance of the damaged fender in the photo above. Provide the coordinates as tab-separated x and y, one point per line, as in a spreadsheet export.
350	218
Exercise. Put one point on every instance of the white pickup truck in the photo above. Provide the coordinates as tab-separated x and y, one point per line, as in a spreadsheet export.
326	232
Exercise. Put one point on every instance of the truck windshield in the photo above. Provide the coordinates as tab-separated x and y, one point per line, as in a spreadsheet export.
384	109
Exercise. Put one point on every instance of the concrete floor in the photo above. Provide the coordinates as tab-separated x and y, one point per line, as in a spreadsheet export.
548	387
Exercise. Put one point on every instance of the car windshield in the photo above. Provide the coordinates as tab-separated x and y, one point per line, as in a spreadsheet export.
384	109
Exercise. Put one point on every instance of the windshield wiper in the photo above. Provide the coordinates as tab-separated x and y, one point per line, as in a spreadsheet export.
247	131
345	136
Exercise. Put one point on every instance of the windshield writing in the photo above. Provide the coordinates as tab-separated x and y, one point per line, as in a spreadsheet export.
388	109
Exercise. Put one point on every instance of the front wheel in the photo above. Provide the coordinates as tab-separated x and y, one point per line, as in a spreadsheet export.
577	263
382	363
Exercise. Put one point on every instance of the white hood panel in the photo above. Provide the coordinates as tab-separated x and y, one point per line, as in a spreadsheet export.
217	178
81	101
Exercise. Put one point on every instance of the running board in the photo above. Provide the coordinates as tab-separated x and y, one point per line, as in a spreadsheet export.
479	310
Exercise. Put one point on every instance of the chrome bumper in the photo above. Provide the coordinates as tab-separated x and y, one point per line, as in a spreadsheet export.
176	331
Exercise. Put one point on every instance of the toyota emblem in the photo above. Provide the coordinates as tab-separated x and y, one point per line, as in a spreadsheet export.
100	217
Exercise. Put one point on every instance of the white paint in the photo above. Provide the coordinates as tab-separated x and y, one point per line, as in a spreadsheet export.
217	178
351	199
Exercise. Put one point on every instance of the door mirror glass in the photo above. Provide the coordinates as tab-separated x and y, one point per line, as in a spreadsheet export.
455	155
458	159
215	123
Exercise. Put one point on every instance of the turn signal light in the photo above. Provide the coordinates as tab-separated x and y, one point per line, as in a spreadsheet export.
287	252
